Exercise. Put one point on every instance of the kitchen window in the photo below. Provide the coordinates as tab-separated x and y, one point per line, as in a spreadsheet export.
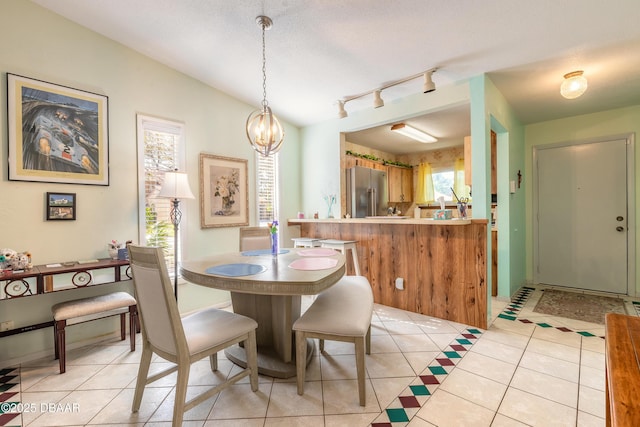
267	185
161	149
443	183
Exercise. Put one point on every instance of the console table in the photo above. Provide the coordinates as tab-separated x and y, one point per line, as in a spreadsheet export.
14	284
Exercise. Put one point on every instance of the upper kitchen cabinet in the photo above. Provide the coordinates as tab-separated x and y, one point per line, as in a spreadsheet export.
350	161
400	184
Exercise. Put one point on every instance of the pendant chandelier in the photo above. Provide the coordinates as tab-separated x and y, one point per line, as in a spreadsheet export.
264	131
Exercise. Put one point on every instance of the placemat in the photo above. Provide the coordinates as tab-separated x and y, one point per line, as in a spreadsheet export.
317	252
235	270
313	263
258	252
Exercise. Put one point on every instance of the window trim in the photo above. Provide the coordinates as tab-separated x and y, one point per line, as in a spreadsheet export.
145	123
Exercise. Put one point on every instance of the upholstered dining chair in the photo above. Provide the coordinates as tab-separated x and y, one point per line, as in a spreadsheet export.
186	340
254	238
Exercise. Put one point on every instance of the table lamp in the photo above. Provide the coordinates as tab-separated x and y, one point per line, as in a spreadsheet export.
176	187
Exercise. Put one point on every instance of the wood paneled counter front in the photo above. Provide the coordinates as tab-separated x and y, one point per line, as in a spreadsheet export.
442	262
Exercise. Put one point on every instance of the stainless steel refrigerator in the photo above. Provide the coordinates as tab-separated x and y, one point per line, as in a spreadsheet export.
367	193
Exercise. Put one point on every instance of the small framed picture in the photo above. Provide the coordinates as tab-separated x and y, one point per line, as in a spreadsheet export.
61	206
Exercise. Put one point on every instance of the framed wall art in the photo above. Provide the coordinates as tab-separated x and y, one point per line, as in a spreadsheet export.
56	133
224	191
61	206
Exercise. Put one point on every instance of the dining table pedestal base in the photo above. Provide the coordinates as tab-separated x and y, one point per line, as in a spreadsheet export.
269	361
275	315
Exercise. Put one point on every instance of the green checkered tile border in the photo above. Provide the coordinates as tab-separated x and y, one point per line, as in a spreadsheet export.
407	405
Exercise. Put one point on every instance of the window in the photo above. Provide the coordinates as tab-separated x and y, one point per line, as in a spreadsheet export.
443	183
160	149
267	185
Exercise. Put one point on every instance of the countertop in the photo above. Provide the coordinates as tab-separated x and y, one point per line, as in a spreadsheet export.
390	220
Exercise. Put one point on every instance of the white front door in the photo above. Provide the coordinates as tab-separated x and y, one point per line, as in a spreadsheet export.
582	216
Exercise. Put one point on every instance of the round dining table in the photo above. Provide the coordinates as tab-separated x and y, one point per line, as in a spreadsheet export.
269	289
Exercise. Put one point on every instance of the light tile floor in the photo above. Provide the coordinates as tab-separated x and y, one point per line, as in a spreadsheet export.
422	372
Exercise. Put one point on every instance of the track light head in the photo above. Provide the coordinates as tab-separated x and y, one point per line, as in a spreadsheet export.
377	99
342	113
428	85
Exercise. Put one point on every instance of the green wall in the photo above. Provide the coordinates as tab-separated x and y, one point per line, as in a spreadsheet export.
616	122
511	206
39	44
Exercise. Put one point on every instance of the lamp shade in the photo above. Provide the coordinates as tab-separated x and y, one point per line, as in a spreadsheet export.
176	186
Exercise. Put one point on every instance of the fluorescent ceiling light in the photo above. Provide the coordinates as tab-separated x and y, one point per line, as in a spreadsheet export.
412	132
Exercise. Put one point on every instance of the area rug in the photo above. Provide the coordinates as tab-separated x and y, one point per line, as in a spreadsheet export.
578	306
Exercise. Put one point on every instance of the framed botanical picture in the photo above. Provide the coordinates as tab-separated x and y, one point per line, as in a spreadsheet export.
61	206
224	191
56	133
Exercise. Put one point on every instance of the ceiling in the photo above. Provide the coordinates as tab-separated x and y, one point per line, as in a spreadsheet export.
319	51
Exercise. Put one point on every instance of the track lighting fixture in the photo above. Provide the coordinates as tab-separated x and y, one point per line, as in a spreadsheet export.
574	85
377	100
413	133
428	86
342	113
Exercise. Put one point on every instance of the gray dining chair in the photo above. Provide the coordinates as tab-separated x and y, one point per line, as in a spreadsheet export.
186	340
254	238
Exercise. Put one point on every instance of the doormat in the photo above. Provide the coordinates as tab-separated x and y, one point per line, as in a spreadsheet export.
577	306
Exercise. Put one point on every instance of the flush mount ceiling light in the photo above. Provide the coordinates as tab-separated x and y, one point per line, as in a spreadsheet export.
574	85
413	133
428	86
264	131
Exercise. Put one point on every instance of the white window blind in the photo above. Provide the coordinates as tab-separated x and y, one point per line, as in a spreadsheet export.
160	148
267	185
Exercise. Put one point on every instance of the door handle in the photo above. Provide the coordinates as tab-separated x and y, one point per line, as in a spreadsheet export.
619	218
618	228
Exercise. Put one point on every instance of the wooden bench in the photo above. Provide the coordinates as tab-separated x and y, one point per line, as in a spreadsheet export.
87	309
622	355
341	313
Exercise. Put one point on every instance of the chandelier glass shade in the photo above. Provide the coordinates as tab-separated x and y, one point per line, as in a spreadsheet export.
264	130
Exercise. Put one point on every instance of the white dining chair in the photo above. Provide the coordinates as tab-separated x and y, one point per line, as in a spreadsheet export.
186	340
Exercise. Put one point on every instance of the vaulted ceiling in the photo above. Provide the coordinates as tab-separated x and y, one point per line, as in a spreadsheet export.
319	51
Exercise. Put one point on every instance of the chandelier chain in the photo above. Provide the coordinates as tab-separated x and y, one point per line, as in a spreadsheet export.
264	69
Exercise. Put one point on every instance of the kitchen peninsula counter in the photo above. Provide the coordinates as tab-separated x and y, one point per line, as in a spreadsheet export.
442	263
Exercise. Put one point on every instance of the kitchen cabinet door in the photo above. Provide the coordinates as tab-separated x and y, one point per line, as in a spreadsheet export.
400	181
